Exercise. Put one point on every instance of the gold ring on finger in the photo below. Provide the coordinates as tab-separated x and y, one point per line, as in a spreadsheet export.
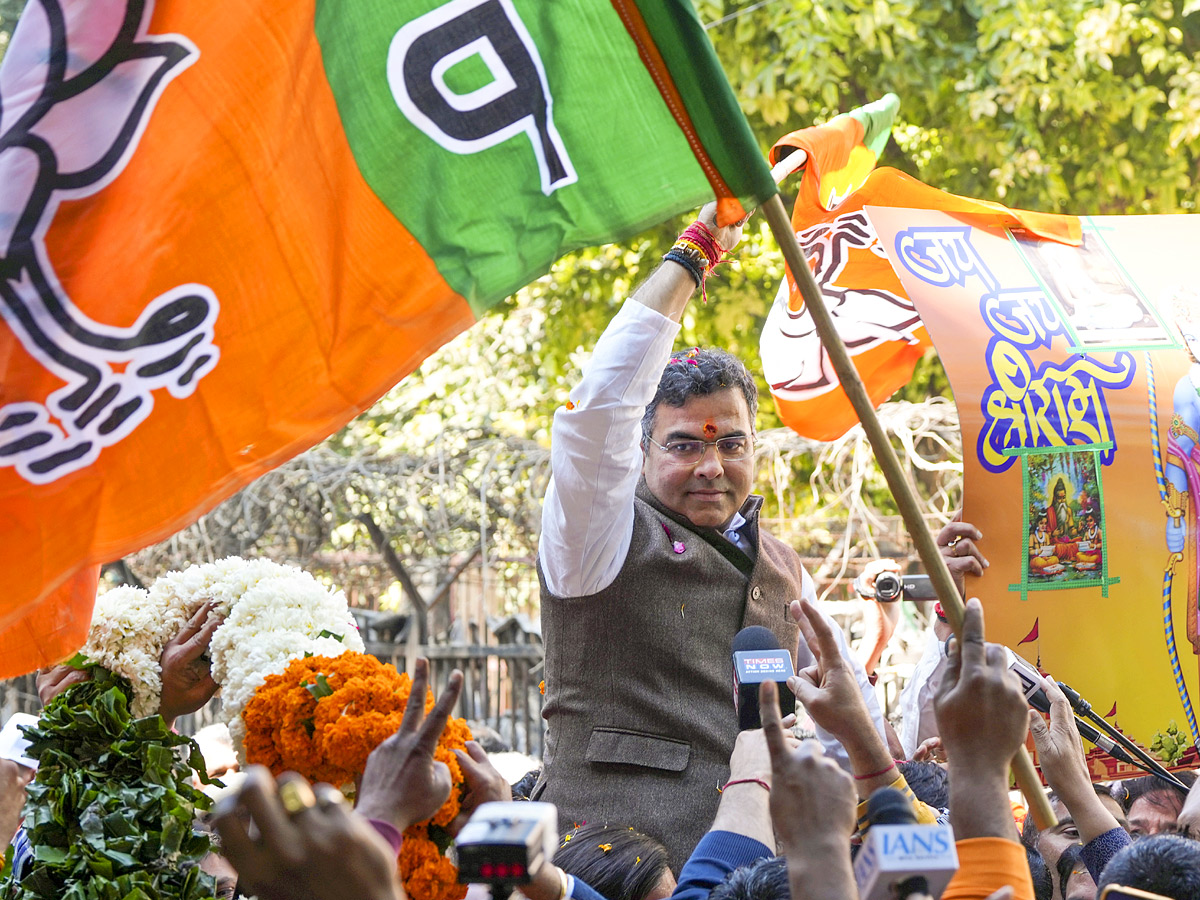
328	795
296	796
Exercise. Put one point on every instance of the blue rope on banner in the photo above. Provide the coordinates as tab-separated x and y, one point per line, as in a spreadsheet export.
1176	670
1168	577
1154	444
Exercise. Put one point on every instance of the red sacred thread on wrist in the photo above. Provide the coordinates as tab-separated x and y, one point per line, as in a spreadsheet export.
871	775
707	242
757	781
700	245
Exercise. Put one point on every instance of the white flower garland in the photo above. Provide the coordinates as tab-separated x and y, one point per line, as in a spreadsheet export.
273	614
126	637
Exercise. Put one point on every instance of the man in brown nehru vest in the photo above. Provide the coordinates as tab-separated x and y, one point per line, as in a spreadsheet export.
651	561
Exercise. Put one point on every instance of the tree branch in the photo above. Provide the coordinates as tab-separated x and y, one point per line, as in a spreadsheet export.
393	562
443	590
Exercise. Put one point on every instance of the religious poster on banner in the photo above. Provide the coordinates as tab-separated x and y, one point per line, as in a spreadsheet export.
1075	373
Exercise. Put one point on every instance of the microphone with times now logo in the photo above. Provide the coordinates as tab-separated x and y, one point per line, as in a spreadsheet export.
757	657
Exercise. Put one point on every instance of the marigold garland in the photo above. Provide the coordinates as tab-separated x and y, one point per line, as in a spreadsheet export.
425	872
322	717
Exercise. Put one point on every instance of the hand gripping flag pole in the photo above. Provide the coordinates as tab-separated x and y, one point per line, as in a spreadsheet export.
939	574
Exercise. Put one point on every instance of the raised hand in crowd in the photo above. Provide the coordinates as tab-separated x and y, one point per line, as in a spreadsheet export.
187	682
402	783
982	721
13	778
744	810
930	750
956	543
484	784
831	695
745	800
879	618
1060	754
293	841
813	810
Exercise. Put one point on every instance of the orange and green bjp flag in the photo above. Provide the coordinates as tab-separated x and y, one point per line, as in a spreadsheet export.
228	227
874	316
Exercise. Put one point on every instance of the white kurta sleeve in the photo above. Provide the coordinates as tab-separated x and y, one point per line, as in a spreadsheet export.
596	457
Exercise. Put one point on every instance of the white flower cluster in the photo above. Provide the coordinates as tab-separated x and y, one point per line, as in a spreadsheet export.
126	637
273	614
273	622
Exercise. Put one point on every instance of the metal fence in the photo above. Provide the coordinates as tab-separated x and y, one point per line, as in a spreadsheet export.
500	690
501	686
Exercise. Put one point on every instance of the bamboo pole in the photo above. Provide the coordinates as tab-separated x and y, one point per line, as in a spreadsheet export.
910	511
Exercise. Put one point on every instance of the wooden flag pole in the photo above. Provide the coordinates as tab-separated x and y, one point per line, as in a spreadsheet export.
923	539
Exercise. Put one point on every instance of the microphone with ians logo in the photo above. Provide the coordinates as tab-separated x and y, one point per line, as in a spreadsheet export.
900	859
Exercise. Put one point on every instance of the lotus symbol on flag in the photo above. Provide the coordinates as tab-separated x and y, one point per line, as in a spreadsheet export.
794	360
77	89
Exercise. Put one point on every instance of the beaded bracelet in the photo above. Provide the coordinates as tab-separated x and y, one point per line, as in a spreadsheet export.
690	259
698	251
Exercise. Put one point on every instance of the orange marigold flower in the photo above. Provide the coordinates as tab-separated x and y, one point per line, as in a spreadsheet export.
427	875
327	733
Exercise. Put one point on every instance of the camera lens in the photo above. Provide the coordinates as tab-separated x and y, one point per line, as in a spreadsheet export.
888	586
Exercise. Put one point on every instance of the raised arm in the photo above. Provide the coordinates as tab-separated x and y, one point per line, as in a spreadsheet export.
595	454
981	714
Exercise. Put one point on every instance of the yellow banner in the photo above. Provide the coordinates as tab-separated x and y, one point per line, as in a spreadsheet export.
1078	391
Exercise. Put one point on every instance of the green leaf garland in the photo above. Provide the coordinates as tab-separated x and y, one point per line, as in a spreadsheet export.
111	810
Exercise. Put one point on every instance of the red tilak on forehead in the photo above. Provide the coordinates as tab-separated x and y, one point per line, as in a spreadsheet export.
710	430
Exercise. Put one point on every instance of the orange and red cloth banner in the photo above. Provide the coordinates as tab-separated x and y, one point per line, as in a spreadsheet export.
228	227
874	316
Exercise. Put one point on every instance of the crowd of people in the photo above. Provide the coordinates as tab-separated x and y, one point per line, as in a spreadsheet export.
652	559
788	821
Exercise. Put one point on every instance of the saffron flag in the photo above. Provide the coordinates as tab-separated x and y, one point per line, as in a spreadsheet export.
226	228
874	316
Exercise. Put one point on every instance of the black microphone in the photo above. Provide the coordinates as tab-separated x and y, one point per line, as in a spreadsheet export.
1144	760
757	657
1081	706
888	806
1033	684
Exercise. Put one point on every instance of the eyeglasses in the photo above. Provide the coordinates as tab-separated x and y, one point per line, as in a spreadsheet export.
730	449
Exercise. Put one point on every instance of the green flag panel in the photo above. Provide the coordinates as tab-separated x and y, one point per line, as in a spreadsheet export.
505	133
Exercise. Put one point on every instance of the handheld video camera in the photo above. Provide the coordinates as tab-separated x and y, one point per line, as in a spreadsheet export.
892	586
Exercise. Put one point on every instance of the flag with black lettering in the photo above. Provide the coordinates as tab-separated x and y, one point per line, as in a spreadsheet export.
228	227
